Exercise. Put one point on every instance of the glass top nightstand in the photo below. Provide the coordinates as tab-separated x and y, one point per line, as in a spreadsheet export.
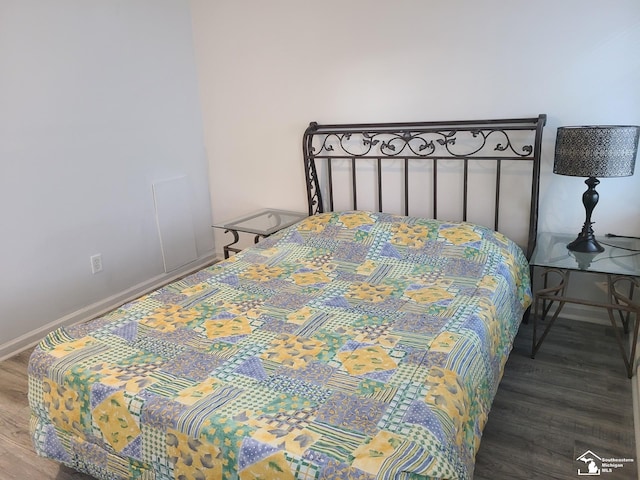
261	224
620	262
618	257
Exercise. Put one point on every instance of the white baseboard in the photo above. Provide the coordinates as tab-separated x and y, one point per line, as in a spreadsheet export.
583	313
101	307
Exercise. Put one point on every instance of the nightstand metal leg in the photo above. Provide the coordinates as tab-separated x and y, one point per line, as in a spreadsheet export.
228	248
622	303
547	296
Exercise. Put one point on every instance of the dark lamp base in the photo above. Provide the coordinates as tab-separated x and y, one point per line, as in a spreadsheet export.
585	244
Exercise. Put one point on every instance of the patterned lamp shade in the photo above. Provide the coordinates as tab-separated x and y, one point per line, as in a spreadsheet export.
596	151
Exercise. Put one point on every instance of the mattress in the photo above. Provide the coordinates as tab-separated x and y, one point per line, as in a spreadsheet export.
350	345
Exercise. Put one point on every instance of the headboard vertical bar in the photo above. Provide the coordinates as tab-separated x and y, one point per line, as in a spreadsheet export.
496	215
465	193
379	184
535	186
354	183
435	188
330	182
406	187
314	194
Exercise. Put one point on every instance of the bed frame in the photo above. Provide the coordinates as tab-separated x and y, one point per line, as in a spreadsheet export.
428	146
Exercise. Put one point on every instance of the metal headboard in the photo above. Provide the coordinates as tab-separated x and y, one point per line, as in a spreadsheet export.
496	141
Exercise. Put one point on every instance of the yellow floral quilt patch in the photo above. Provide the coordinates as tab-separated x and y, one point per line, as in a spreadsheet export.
194	290
191	395
295	440
63	406
193	458
489	282
369	457
444	342
273	467
367	267
115	376
261	272
310	278
430	294
249	308
460	234
299	317
488	315
293	351
119	428
381	338
357	219
369	292
447	394
366	359
66	348
316	223
228	327
168	317
409	235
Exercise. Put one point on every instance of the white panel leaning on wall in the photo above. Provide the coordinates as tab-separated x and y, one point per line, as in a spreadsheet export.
175	222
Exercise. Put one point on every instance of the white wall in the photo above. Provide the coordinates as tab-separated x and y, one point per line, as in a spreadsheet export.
98	100
268	68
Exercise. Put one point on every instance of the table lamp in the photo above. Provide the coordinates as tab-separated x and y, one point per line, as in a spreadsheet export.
594	151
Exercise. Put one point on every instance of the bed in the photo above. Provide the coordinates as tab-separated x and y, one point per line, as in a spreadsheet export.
357	343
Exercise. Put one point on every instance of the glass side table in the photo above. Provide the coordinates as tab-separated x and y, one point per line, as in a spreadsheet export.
620	263
261	224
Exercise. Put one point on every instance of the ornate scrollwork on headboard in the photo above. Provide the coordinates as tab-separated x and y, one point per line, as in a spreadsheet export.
424	143
494	140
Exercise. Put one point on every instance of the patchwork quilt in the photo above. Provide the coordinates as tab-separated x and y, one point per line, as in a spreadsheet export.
351	345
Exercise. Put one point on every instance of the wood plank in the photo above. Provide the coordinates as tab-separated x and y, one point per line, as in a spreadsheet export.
14	411
19	463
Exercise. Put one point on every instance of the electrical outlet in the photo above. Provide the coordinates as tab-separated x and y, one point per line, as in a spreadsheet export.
96	263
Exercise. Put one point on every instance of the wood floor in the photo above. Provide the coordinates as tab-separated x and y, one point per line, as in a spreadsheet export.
572	398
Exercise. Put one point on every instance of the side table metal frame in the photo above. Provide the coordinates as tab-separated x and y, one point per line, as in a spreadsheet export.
277	220
615	301
236	238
